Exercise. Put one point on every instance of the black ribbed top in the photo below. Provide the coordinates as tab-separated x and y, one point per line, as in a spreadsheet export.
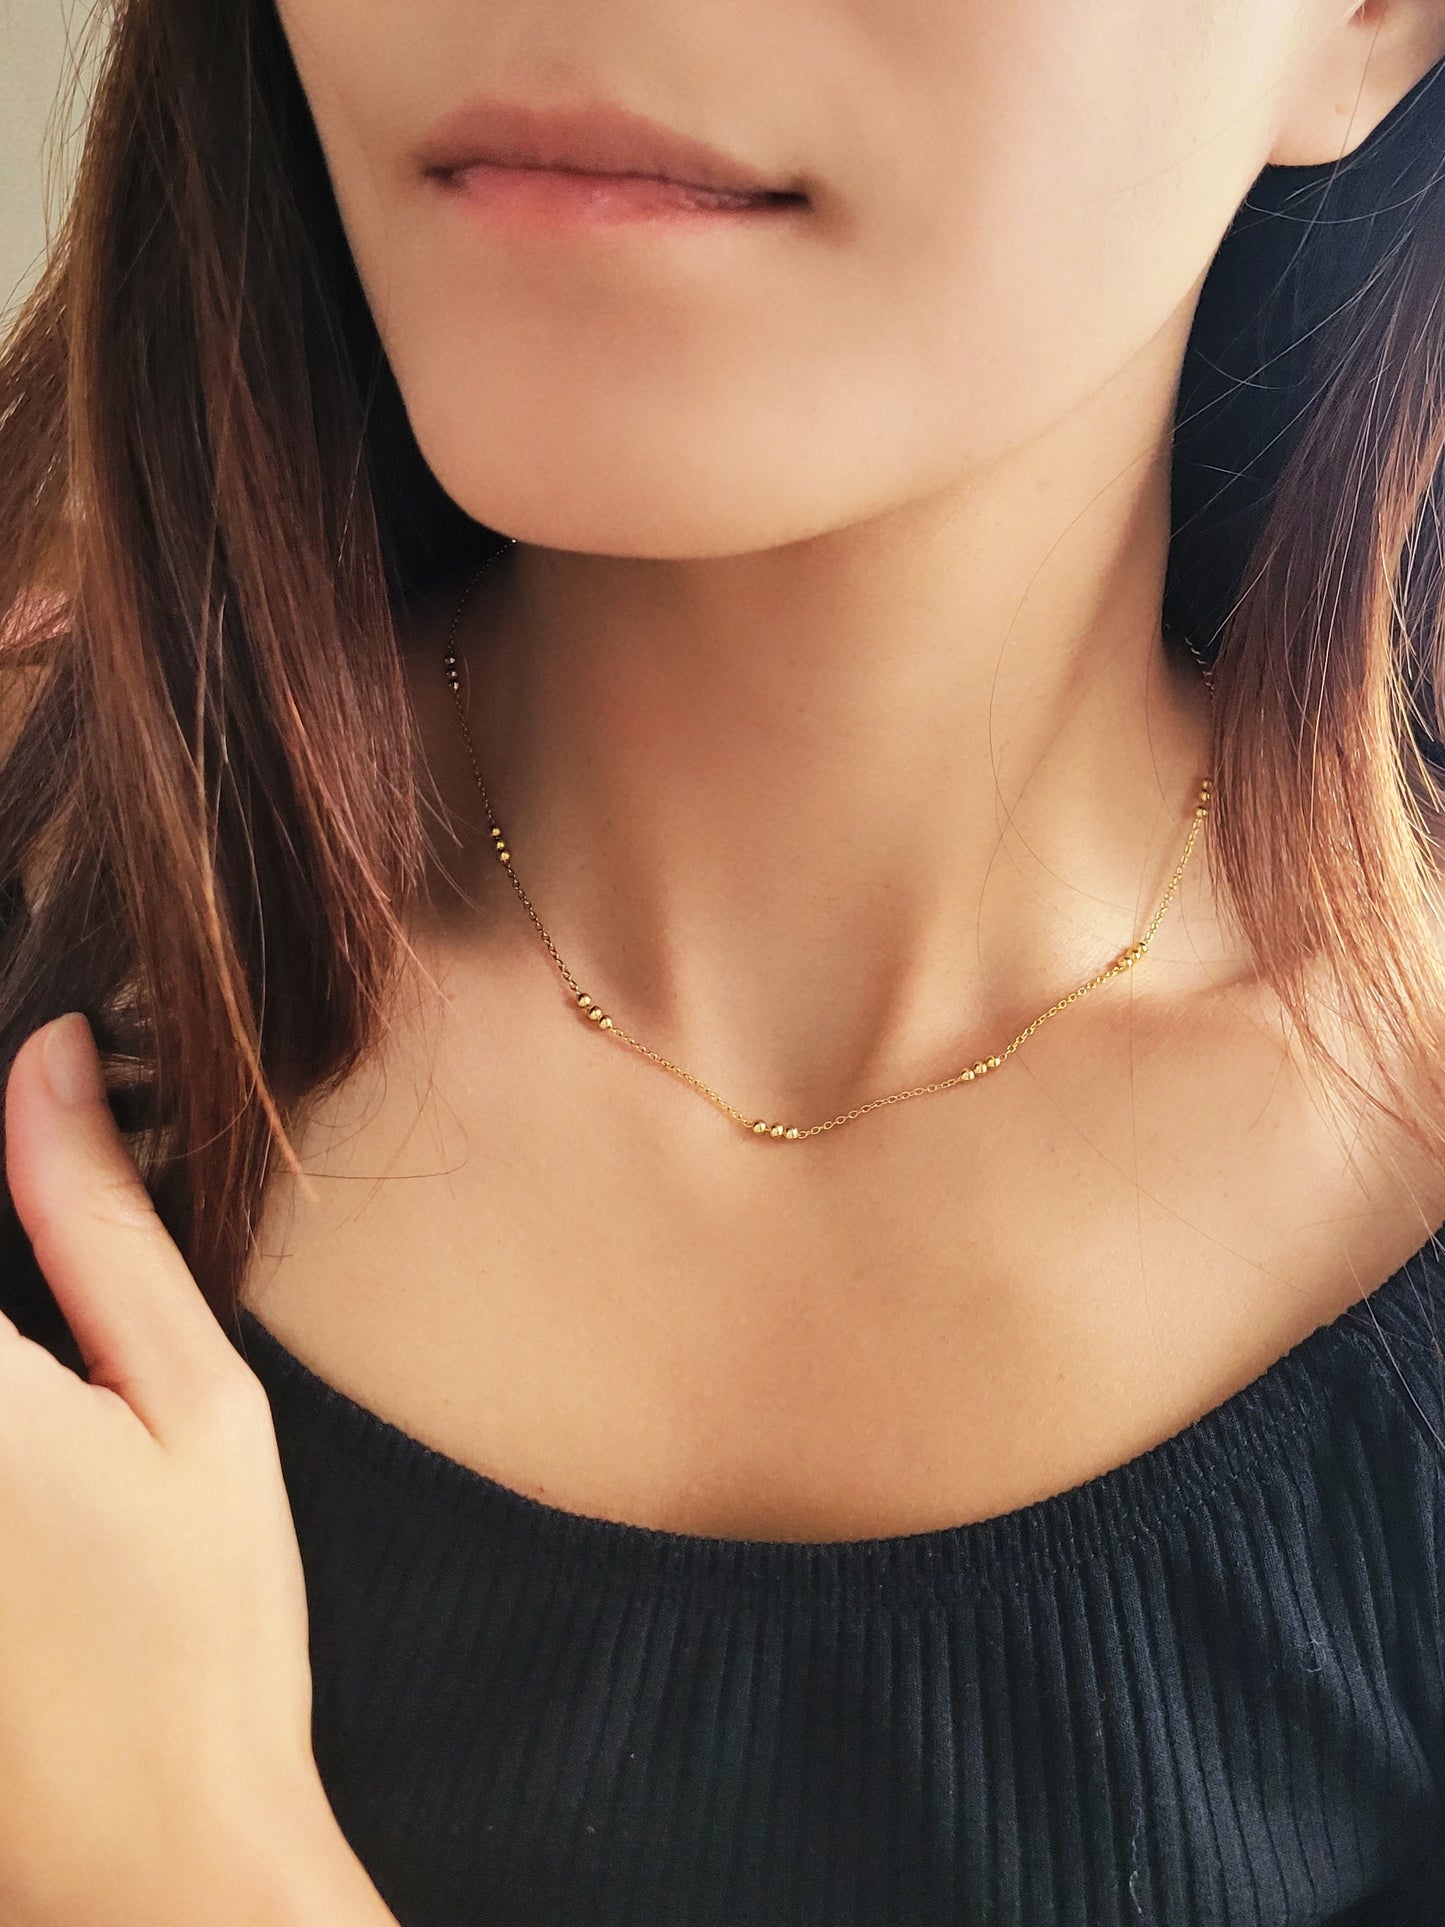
1207	1686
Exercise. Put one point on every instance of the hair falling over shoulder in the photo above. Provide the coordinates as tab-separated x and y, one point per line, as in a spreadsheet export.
211	508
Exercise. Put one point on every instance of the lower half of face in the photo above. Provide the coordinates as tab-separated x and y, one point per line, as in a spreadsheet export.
979	214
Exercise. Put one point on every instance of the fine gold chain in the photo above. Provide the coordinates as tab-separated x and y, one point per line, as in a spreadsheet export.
759	1127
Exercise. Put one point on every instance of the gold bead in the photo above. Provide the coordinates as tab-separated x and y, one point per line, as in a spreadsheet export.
604	1023
584	1002
792	1131
1201	811
497	836
966	1076
994	1062
776	1131
979	1068
759	1127
595	1013
505	855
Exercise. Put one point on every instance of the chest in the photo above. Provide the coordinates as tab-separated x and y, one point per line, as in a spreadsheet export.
602	1296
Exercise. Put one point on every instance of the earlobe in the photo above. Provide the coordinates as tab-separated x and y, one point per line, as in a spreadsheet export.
1356	75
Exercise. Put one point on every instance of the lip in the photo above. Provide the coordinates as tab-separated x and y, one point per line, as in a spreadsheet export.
544	200
594	139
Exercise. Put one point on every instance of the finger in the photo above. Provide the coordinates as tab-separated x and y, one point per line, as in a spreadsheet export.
142	1325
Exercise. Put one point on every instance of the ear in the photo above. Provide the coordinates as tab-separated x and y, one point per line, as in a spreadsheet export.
1367	61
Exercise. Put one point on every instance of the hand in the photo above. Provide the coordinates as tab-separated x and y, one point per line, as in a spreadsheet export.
155	1684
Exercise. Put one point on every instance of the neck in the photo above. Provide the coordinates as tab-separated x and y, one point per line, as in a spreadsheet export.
835	817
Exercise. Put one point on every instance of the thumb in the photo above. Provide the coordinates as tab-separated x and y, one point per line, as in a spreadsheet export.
138	1316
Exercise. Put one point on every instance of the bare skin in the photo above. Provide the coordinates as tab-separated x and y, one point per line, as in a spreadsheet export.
825	708
548	1260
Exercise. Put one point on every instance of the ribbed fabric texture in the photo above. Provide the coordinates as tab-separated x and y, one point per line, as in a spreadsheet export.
1207	1686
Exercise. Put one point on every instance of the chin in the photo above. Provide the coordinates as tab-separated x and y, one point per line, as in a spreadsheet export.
661	504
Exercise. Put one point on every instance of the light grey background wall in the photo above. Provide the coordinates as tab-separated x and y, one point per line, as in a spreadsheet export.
41	43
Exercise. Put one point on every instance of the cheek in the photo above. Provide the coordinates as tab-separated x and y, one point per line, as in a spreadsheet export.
1018	242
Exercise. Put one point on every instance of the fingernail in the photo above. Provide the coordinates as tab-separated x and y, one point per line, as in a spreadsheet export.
72	1064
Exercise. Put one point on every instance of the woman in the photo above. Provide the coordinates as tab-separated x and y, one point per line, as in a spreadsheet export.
727	716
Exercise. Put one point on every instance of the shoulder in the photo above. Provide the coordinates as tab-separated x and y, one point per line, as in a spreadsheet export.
1394	1342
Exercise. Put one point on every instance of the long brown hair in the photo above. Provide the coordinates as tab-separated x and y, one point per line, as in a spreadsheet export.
212	512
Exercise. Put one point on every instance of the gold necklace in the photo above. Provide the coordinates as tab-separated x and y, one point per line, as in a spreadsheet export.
759	1127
